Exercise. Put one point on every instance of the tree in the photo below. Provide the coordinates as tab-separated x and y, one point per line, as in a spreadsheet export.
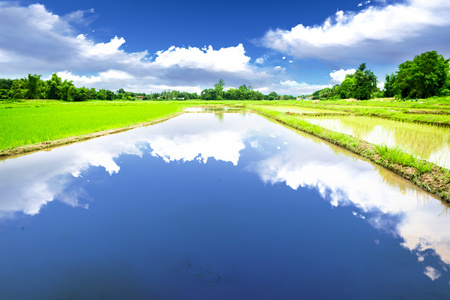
5	88
348	87
80	94
54	87
218	87
425	76
17	91
209	94
67	90
366	83
33	83
232	94
5	84
326	93
389	90
272	96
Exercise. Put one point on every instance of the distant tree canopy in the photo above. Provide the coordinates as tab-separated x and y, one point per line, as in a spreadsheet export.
360	85
425	76
365	83
33	87
242	93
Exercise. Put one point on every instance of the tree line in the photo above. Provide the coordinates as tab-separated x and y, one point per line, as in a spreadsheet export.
427	75
242	93
33	87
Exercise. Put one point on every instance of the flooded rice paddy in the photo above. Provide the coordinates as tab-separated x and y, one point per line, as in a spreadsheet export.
216	206
303	110
428	142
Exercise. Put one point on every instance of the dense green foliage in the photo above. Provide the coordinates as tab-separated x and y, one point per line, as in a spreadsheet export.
32	87
365	83
54	88
425	76
242	93
361	85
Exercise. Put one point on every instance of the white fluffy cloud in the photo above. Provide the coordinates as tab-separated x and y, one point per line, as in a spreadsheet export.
339	75
46	175
421	225
232	59
78	80
376	33
34	40
292	87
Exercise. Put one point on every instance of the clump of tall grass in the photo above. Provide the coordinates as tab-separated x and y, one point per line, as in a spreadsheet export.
397	155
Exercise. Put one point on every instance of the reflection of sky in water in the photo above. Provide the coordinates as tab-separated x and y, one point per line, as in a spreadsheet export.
357	183
28	182
385	201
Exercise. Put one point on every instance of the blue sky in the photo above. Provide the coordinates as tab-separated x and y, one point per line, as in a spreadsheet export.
291	47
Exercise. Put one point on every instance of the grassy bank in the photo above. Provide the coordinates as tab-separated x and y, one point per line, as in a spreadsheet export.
426	175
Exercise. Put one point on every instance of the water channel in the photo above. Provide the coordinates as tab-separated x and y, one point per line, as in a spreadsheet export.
216	206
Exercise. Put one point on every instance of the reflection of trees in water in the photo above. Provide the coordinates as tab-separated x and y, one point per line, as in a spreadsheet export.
219	116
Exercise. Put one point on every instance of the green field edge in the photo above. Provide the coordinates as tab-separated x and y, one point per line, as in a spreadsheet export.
47	143
426	175
26	149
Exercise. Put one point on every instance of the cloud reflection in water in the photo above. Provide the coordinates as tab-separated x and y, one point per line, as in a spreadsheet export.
384	200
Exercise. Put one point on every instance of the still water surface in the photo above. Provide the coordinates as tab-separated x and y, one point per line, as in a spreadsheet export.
209	206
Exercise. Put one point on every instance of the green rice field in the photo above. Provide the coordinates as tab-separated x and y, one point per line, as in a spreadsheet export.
32	122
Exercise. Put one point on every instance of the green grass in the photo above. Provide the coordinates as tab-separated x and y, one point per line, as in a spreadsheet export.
398	156
30	122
